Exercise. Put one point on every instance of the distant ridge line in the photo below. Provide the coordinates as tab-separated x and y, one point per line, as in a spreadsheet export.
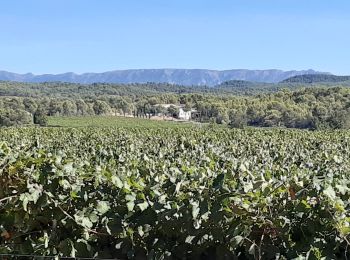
187	77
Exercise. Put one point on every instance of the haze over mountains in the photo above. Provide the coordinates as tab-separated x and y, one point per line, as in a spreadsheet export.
173	76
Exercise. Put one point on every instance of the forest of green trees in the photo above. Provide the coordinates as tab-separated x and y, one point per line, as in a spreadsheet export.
317	78
307	108
232	87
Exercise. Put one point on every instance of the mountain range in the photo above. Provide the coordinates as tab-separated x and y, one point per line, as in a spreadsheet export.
187	77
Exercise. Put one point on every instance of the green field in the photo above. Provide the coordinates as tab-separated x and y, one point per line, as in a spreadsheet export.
114	121
173	192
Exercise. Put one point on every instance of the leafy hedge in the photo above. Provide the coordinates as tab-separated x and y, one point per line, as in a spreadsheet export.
174	194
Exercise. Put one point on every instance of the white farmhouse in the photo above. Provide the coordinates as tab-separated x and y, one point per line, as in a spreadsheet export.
184	115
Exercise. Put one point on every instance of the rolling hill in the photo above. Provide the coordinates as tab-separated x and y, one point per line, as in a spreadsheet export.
316	78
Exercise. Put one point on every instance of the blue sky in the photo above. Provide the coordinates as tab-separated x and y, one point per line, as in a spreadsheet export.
54	36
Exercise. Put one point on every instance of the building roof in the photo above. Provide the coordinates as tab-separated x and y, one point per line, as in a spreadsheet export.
180	106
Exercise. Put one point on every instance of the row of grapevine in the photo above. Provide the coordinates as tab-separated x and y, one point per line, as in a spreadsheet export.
174	193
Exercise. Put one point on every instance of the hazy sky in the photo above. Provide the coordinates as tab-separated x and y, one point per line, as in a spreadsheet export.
53	36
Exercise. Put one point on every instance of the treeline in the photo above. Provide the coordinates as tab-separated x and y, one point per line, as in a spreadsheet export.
98	90
73	90
311	108
317	78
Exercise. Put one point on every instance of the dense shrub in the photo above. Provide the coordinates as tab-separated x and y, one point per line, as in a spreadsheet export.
12	117
40	118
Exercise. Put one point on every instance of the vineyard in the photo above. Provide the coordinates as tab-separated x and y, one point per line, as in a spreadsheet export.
114	121
175	193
